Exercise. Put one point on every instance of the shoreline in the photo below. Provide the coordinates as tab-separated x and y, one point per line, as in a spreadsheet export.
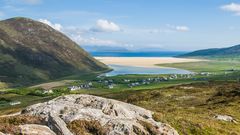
150	62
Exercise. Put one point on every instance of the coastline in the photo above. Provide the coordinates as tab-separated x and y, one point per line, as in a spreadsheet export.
150	62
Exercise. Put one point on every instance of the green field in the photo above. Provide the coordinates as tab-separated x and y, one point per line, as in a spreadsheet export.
25	100
207	66
187	104
31	95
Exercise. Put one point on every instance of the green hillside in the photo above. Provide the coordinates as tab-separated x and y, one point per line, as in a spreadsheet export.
231	52
31	52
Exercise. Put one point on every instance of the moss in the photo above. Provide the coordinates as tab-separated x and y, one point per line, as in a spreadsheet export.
152	130
84	127
9	125
3	85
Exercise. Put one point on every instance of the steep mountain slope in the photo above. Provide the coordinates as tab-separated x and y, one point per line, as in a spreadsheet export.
31	51
216	52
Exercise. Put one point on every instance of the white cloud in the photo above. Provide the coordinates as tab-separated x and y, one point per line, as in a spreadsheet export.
83	37
17	2
154	31
181	28
56	26
12	8
32	2
232	7
105	26
92	41
80	36
158	31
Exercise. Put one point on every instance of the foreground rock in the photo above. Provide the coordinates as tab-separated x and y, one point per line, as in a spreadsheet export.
85	114
32	129
225	118
58	125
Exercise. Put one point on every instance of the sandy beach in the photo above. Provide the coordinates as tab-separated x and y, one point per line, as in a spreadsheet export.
143	61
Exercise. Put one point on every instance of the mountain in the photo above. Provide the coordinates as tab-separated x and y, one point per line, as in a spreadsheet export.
215	52
31	51
104	48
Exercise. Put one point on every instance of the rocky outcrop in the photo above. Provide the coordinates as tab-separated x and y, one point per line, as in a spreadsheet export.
58	125
114	117
33	129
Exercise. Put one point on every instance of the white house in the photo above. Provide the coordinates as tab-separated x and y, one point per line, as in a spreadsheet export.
15	103
111	86
73	88
47	91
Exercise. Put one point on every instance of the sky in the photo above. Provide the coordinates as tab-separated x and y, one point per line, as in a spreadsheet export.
159	25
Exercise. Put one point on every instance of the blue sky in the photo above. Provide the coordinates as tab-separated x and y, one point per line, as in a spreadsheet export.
182	25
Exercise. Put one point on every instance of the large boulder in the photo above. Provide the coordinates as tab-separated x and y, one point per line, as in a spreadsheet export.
113	117
33	129
58	125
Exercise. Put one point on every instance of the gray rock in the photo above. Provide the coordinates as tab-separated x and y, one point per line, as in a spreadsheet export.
58	125
32	129
117	118
225	118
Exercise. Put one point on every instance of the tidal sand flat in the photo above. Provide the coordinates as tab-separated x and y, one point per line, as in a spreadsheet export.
143	61
123	70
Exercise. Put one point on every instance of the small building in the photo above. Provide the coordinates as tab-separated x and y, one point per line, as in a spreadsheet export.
164	79
73	88
101	76
48	91
130	86
133	84
106	82
110	86
15	103
90	84
126	80
137	83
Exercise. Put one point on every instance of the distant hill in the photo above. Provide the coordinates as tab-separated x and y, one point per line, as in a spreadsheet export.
102	48
31	51
215	52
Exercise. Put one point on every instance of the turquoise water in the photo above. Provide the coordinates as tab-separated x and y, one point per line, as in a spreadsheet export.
137	54
122	70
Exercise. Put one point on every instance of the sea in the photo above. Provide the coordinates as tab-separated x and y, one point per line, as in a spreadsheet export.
137	54
123	70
